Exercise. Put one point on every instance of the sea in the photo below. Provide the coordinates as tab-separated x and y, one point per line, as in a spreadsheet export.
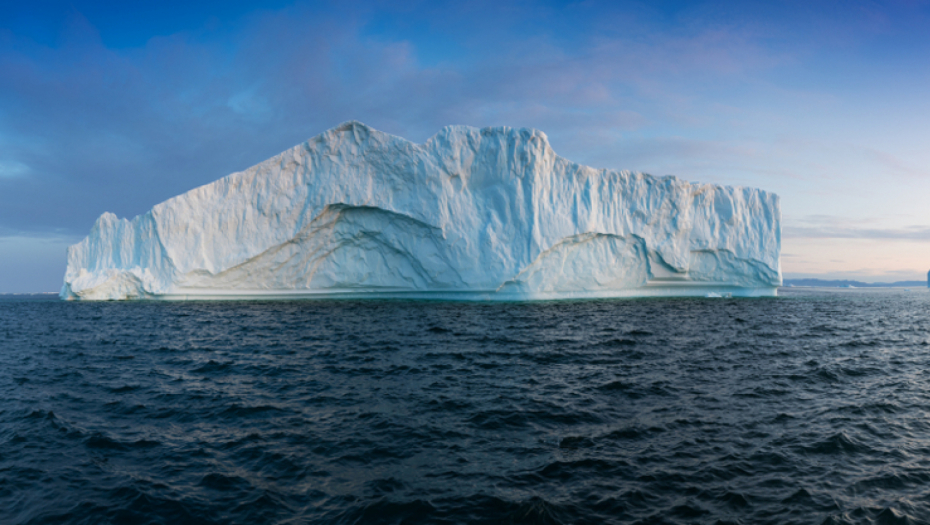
812	408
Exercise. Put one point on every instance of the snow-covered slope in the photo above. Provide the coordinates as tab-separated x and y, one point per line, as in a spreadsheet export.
473	213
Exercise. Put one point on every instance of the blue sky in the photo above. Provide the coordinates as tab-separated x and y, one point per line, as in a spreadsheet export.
116	106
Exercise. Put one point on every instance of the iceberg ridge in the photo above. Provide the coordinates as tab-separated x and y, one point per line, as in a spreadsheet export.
472	213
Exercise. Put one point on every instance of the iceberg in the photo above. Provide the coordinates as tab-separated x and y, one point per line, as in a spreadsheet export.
477	214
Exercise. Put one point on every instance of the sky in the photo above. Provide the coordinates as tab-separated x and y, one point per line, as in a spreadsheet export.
117	106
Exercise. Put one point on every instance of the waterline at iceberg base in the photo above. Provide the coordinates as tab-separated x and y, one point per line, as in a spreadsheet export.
473	214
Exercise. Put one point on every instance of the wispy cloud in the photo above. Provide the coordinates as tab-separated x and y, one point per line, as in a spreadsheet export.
12	169
121	129
692	91
913	233
830	227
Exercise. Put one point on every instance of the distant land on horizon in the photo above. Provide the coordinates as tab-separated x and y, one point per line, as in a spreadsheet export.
825	283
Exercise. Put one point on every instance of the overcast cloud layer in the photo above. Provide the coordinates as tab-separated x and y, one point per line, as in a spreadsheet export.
111	108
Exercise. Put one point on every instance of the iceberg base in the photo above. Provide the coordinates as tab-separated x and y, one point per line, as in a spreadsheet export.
691	290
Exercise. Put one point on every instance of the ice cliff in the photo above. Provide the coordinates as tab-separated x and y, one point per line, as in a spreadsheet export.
473	213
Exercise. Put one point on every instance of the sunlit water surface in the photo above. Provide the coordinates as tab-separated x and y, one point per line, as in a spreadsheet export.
807	408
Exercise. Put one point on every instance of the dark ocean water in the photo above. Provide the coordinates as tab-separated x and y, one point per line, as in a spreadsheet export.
813	407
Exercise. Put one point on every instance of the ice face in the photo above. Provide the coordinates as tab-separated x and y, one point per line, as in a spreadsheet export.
488	213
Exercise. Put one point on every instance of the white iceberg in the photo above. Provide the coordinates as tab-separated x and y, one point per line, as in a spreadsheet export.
472	213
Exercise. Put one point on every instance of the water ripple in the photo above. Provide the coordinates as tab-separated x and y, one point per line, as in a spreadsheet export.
808	408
